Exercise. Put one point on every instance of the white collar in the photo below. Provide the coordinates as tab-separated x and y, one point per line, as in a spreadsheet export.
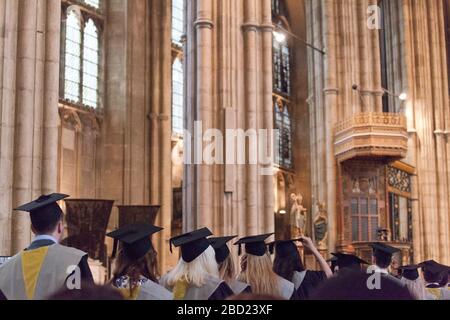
45	237
380	270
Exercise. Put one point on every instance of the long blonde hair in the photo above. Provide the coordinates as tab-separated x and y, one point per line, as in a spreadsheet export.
195	272
227	269
260	276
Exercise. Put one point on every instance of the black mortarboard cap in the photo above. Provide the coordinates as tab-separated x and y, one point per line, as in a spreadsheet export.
284	248
344	260
383	249
433	267
254	245
410	272
135	238
220	247
192	244
44	211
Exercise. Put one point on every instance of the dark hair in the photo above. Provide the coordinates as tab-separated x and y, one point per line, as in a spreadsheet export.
383	260
286	265
352	285
433	277
444	280
45	227
88	292
146	266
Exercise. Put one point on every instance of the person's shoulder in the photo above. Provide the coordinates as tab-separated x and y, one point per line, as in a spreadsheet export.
10	262
68	250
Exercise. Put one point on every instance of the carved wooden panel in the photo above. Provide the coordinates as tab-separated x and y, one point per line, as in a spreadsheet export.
87	221
137	214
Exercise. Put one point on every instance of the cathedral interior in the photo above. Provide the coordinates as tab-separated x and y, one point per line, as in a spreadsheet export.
98	97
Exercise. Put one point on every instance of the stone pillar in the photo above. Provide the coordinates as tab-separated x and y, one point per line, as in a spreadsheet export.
233	91
426	108
136	135
29	60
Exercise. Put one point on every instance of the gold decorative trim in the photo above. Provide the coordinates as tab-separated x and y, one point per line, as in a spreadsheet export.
400	165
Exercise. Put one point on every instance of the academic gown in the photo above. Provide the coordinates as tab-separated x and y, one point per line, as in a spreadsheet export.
144	289
287	289
51	270
436	292
239	287
306	282
213	289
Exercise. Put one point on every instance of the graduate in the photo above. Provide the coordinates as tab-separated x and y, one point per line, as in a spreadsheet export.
382	258
135	274
225	261
411	278
348	261
196	276
288	264
42	269
257	269
435	274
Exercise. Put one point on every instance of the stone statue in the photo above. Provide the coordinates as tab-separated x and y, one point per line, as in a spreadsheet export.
321	226
298	216
356	188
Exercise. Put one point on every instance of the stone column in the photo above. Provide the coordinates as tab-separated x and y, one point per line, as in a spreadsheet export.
29	60
228	63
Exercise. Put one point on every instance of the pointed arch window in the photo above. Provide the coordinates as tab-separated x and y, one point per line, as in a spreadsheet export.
281	51
177	96
177	67
177	22
81	54
282	87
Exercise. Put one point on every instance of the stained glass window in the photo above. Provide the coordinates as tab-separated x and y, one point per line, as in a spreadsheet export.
283	156
281	67
177	21
282	87
81	57
177	97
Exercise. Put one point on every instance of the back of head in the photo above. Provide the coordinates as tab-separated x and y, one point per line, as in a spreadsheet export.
146	266
382	260
88	292
259	275
286	265
355	285
194	272
227	269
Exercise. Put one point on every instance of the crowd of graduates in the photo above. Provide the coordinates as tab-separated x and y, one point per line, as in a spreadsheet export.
206	269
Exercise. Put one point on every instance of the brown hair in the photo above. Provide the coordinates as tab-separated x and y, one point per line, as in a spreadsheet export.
146	266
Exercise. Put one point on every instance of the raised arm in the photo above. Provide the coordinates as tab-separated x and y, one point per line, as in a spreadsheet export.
308	243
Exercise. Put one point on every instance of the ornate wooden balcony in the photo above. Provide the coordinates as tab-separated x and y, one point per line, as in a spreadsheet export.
374	135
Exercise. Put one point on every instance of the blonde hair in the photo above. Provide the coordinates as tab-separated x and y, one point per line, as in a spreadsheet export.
195	272
227	269
416	288
260	276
